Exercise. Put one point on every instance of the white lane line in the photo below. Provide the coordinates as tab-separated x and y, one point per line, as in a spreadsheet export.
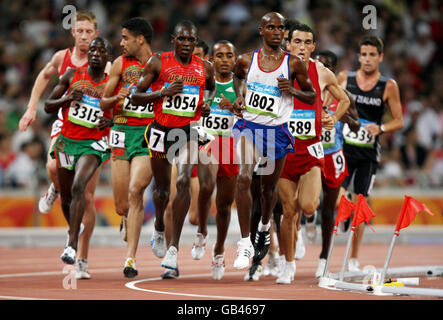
23	298
133	285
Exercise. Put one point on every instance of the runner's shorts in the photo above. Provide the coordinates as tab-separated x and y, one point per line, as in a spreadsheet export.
127	142
308	154
362	172
67	151
273	142
335	170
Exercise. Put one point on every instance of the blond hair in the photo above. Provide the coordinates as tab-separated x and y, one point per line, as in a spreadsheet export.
83	15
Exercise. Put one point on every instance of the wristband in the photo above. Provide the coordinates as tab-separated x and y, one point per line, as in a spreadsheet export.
208	100
161	91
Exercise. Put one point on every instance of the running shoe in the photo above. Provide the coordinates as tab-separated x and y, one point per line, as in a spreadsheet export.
254	272
158	243
130	270
68	255
245	251
287	276
311	231
261	245
47	200
300	249
320	268
81	269
271	267
218	266
170	274
199	246
353	265
170	259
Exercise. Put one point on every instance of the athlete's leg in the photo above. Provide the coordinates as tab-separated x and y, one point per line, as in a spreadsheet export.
168	212
161	170
207	176
89	216
84	170
141	176
310	188
193	208
287	191
51	166
327	218
120	173
224	200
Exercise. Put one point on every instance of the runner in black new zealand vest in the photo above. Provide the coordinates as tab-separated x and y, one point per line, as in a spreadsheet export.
371	92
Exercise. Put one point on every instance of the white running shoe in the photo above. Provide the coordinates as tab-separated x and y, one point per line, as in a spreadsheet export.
271	267
245	252
68	255
47	200
300	249
199	247
130	270
170	259
158	243
281	265
124	229
81	269
320	268
353	265
287	276
218	266
311	231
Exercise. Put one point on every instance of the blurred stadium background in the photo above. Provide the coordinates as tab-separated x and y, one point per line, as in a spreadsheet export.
412	159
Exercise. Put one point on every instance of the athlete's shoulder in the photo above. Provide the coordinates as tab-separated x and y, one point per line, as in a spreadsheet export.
59	56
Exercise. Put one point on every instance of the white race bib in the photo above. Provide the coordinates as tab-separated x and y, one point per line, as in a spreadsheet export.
86	112
262	99
316	150
117	139
328	137
157	140
339	163
183	104
362	138
219	122
66	160
146	111
302	123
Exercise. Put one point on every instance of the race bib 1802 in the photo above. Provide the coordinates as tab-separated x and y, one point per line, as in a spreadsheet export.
262	99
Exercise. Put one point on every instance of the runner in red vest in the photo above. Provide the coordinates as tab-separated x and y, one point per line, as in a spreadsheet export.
85	29
300	182
130	165
180	82
82	146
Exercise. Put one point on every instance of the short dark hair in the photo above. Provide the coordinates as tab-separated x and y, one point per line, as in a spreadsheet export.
331	55
289	23
372	41
223	42
139	26
300	27
106	43
185	24
202	44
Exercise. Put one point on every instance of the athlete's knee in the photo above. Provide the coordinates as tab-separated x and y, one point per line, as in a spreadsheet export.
51	166
161	195
135	193
206	188
89	199
183	184
78	188
243	182
309	206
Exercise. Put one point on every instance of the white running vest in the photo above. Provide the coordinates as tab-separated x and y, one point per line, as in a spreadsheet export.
265	103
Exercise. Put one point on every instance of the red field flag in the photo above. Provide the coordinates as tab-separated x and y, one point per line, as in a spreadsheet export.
362	212
344	210
408	211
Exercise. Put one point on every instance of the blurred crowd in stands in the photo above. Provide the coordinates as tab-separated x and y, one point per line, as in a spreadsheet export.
31	31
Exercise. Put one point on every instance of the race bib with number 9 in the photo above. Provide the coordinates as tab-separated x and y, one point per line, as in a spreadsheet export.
362	138
302	123
146	111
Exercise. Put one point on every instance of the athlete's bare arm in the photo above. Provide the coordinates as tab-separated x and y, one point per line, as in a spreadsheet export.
297	71
150	73
109	100
392	97
210	88
351	115
57	99
240	71
42	80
